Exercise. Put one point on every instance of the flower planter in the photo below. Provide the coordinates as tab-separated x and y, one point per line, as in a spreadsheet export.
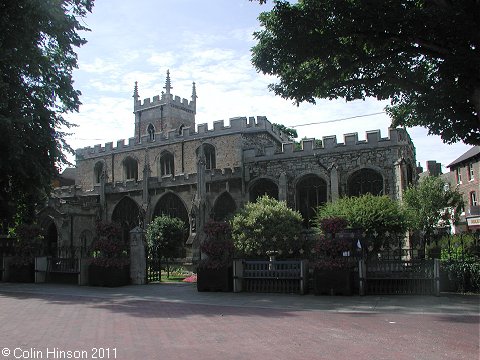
108	276
220	279
22	273
333	282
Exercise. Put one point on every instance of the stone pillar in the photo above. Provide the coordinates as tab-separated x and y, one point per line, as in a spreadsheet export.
334	183
282	187
138	261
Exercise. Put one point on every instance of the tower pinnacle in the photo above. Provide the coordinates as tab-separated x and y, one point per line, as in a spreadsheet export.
135	92
168	85
194	96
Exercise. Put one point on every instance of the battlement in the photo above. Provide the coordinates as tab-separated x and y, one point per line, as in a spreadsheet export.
236	125
164	99
373	139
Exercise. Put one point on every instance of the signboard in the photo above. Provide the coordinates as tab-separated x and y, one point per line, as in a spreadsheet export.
473	222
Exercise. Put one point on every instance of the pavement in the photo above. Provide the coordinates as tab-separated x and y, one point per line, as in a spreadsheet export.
174	321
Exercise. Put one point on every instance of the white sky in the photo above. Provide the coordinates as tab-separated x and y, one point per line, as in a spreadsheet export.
209	42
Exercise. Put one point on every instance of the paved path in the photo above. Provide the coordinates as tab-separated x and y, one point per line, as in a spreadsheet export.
169	321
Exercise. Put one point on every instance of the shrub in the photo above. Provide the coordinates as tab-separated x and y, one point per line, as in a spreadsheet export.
28	245
330	253
267	225
108	249
218	246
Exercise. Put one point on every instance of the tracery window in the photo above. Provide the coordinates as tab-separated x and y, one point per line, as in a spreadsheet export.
151	132
167	164
365	181
130	167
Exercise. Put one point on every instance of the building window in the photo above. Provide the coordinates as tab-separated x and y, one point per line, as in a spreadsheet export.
365	181
166	164
130	167
210	160
98	170
151	132
473	199
458	172
210	157
471	175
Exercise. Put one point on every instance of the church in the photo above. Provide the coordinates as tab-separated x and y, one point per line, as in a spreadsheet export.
171	165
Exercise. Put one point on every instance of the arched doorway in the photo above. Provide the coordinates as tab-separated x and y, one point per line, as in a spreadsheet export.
126	214
170	204
263	187
224	207
311	192
365	181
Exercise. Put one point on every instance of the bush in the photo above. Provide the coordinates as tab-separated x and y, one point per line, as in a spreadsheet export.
108	249
267	225
373	214
218	246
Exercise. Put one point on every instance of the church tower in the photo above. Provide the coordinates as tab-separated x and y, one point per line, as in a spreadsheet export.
164	113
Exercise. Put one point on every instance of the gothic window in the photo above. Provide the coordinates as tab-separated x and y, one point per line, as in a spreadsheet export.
224	207
311	192
365	181
166	164
98	170
210	157
126	214
263	187
130	167
170	204
151	132
473	199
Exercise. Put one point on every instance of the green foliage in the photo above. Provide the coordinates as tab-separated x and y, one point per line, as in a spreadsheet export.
431	201
37	57
28	245
290	132
165	233
373	214
419	54
266	225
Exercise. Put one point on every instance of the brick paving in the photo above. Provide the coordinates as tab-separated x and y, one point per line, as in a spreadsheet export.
43	323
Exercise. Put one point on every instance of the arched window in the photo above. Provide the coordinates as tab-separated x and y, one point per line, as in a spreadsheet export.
126	214
151	132
130	167
166	164
170	204
224	207
311	192
365	181
97	171
263	187
210	157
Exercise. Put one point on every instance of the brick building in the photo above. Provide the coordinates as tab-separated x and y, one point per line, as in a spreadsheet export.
173	166
465	174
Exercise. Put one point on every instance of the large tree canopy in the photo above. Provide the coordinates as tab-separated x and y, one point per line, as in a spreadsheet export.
423	55
37	41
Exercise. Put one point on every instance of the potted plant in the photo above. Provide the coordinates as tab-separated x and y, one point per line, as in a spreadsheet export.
215	273
28	245
110	265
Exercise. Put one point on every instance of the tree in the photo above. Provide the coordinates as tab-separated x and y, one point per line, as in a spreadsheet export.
422	55
430	202
36	88
290	132
165	233
267	225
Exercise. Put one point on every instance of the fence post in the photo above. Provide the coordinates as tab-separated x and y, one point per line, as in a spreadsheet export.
436	276
138	260
361	277
237	275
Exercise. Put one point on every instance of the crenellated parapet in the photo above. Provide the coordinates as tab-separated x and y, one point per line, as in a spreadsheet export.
329	144
236	125
164	100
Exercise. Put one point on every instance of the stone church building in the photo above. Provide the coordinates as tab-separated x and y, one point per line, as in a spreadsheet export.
174	166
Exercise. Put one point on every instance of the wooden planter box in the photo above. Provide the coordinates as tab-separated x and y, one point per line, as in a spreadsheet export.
333	282
21	273
215	279
108	276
